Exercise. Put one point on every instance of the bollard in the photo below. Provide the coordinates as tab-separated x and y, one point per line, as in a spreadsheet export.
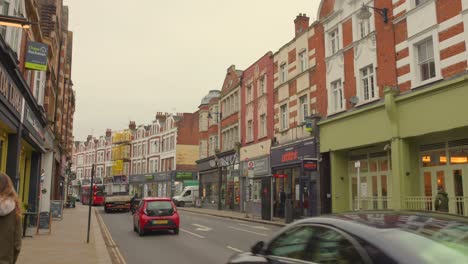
288	211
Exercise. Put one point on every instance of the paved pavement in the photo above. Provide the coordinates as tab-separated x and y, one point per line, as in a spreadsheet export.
202	239
232	215
67	241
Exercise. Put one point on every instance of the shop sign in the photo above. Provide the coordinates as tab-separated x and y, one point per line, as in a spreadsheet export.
149	177
33	122
183	175
310	165
293	153
36	56
280	176
10	92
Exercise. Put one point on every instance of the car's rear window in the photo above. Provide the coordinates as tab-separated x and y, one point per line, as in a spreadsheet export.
159	205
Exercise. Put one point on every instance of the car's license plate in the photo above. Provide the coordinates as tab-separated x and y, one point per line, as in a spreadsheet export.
159	222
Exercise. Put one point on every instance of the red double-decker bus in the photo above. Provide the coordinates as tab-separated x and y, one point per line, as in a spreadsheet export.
98	194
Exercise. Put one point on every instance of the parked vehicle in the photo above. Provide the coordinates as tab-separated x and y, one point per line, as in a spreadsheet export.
117	203
366	237
95	197
156	214
186	197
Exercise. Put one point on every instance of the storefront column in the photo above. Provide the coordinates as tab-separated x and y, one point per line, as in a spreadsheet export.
34	183
340	182
400	171
13	158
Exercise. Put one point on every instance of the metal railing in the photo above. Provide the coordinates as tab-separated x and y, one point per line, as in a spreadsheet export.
372	203
457	204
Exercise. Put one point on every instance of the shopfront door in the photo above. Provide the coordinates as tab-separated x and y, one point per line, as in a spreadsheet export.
266	198
459	204
433	179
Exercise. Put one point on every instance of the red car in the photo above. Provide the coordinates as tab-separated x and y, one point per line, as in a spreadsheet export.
156	214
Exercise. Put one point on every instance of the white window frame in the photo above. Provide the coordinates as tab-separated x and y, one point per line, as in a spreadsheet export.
304	107
263	125
283	72
303	60
414	62
367	77
336	89
249	130
262	85
364	27
334	40
249	93
284	120
428	60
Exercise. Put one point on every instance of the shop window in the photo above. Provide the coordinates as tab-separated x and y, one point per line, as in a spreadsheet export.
434	158
458	156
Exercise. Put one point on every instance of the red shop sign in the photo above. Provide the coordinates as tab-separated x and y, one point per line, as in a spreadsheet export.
280	176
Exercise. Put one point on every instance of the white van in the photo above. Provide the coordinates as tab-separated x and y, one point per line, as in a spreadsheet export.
186	197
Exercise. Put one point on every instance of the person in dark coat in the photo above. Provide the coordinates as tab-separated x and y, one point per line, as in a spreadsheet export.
441	201
10	222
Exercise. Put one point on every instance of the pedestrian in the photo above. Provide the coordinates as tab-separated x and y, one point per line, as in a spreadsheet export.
10	221
441	200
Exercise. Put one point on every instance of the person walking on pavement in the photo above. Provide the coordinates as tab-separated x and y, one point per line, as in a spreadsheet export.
441	200
10	222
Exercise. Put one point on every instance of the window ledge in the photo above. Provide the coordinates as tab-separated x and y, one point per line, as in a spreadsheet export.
284	130
336	112
367	102
426	82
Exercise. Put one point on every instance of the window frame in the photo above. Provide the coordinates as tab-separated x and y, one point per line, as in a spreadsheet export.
263	125
250	133
370	78
303	107
334	103
284	120
427	61
302	60
283	72
334	40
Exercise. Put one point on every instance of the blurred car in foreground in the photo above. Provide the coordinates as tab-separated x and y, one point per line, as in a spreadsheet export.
156	214
366	237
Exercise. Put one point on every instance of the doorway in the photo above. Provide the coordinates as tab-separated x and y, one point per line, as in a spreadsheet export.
266	198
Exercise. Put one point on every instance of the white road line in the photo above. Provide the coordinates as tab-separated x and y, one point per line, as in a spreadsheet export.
193	234
248	231
256	227
202	228
235	249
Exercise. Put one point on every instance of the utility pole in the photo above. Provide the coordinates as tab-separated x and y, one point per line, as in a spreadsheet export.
91	194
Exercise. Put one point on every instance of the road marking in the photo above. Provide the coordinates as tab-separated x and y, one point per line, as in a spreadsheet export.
202	228
235	249
256	227
248	231
193	234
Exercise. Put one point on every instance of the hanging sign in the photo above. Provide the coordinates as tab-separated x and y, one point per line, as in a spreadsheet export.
36	56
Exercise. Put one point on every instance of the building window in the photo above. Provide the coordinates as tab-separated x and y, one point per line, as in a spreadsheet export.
334	41
364	27
426	62
284	116
283	72
263	125
367	83
261	86
4	7
418	2
249	130
134	150
304	105
249	94
303	61
337	96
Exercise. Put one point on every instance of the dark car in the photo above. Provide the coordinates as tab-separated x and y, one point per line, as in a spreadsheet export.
366	237
156	214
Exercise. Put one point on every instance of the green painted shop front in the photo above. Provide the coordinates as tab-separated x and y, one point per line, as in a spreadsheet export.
406	144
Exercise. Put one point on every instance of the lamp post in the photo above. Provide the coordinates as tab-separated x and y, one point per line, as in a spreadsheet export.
364	12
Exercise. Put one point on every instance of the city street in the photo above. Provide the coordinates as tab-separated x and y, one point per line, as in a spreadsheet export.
202	239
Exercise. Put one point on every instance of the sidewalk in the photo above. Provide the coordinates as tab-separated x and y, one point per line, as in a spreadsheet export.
232	215
67	242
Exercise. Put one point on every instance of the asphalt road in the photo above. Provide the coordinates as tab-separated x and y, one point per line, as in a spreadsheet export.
202	239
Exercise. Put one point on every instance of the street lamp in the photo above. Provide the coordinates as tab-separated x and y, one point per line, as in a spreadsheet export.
13	21
364	12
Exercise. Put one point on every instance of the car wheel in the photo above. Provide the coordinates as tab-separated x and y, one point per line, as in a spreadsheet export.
176	231
181	204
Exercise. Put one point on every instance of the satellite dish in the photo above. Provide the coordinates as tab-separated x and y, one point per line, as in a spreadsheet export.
354	100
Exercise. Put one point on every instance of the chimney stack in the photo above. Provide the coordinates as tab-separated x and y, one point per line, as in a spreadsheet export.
301	23
132	125
108	133
89	138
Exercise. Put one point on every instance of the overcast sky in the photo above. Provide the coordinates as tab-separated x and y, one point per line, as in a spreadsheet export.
132	59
